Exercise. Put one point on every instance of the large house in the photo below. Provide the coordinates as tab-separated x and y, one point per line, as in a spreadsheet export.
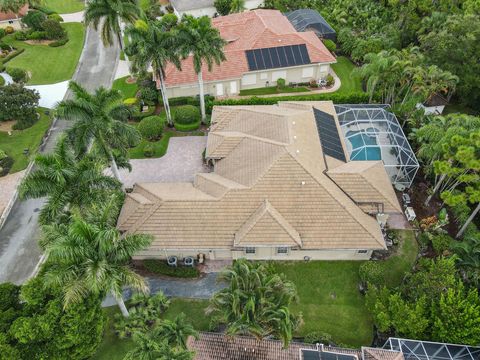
215	346
205	7
11	19
283	186
262	46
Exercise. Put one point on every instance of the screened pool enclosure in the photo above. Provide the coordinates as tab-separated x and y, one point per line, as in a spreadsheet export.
427	350
371	132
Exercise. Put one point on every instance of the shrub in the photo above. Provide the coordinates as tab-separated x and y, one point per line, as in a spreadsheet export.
12	55
37	35
187	127
148	94
17	102
20	35
148	150
58	43
320	337
55	17
151	127
280	83
2	80
34	19
2	33
441	243
161	267
43	9
371	272
186	114
5	165
9	30
330	45
53	30
130	101
330	80
138	115
18	75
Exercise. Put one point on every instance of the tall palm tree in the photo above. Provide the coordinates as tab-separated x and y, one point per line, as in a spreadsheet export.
256	302
100	119
85	259
153	43
203	42
67	183
149	347
110	14
176	331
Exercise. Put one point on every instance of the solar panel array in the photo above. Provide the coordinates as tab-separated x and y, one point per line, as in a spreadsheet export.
277	57
324	355
329	137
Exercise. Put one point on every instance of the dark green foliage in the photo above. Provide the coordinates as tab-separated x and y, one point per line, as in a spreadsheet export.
222	6
40	328
161	267
55	17
148	94
20	35
138	115
2	33
371	272
58	43
34	19
6	164
318	337
186	115
441	243
330	80
19	103
330	45
53	30
280	83
187	127
2	80
151	127
43	9
18	75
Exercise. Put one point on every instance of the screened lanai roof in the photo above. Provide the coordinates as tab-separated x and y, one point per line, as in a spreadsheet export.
427	350
371	132
308	19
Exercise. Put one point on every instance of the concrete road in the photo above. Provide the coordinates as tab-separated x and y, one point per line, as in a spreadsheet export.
19	251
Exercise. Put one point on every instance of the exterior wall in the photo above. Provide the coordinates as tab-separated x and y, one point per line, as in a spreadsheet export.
253	80
13	23
211	10
262	254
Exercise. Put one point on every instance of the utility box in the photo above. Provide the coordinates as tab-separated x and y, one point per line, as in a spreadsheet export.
410	214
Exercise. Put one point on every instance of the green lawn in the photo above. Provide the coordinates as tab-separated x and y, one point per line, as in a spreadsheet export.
22	139
343	68
273	90
64	6
113	348
128	90
46	64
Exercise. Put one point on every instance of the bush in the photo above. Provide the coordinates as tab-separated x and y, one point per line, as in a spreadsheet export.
138	115
371	272
330	45
17	102
20	35
318	337
2	33
9	30
55	17
330	80
130	101
53	30
148	150
148	94
58	43
186	115
12	55
18	75
2	80
5	165
43	9
441	243
161	267
280	83
37	35
187	127
151	127
34	19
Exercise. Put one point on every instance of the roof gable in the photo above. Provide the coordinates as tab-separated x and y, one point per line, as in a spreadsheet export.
267	220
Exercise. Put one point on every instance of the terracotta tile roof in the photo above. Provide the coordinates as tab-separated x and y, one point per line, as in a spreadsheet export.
260	186
246	31
12	16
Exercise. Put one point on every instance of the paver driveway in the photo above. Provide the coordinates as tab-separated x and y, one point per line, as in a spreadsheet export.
180	164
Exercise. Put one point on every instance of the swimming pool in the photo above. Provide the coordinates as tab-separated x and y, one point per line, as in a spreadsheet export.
362	142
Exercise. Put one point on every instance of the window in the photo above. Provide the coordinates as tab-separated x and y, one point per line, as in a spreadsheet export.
323	68
307	72
282	250
263	76
279	74
249	79
362	251
250	250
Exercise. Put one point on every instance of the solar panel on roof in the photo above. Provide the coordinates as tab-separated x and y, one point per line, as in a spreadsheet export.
325	355
280	56
328	133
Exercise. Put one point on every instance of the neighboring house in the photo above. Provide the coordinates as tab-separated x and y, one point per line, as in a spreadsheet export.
282	187
205	7
434	105
12	19
311	20
216	346
263	46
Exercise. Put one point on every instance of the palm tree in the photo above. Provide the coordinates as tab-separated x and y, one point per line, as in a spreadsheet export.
110	13
468	256
203	42
85	259
149	347
67	183
237	6
256	302
154	44
99	120
176	331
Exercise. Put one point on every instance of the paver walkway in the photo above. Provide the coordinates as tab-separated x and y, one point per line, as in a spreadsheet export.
8	184
202	288
180	164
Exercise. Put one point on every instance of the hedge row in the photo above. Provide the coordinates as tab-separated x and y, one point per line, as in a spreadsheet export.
185	100
161	267
12	55
350	98
187	127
